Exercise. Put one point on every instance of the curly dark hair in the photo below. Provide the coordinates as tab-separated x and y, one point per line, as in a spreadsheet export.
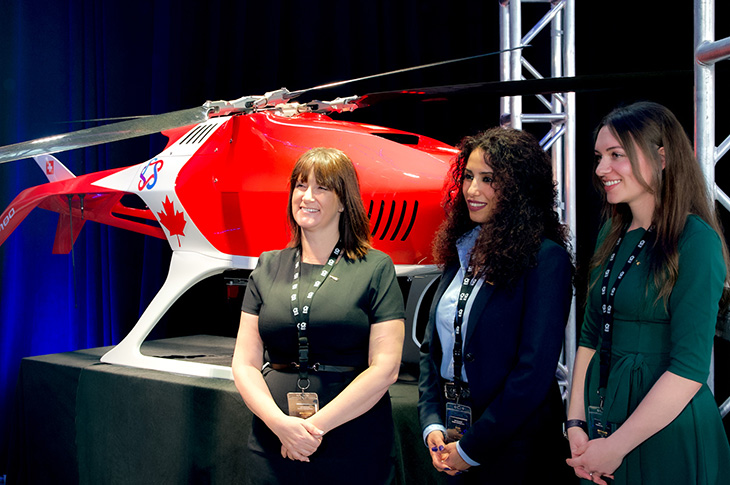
524	213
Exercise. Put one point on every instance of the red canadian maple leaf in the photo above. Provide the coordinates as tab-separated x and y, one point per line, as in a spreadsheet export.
173	221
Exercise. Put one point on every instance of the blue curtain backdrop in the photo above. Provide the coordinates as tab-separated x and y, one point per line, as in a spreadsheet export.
63	61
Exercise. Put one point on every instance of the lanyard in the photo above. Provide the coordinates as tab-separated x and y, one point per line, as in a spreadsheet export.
607	299
301	312
467	286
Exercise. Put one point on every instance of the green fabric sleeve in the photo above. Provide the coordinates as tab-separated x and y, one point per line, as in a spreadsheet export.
693	304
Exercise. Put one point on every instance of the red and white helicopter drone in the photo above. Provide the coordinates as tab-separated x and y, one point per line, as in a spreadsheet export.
222	160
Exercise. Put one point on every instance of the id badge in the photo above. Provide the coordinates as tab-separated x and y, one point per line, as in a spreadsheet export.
458	420
596	428
302	404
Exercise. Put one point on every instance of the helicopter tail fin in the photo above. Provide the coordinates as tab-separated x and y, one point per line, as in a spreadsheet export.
53	168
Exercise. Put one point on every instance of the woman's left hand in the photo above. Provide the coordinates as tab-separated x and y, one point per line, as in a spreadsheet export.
598	458
285	453
292	455
578	439
453	460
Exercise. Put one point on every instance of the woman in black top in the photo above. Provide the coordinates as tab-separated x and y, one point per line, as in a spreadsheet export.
330	304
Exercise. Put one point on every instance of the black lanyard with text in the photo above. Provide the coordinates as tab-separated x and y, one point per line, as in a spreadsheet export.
467	286
607	305
301	312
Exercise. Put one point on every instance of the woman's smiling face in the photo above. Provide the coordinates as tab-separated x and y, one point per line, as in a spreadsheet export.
615	172
479	195
315	207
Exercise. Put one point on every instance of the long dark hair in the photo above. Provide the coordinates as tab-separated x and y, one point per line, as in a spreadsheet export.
679	188
334	170
524	212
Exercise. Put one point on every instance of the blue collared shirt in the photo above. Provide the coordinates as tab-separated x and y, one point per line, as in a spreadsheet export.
445	314
447	306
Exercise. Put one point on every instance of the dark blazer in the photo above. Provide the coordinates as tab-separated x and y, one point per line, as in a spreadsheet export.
512	346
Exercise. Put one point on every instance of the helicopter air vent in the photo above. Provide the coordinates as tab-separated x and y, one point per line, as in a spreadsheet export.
198	134
402	138
404	215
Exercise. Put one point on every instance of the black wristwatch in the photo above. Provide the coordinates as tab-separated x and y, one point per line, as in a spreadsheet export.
572	423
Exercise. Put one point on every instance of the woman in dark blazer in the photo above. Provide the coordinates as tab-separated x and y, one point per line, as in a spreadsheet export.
490	407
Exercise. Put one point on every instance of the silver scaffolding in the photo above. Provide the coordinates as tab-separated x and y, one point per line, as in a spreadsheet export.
559	113
708	52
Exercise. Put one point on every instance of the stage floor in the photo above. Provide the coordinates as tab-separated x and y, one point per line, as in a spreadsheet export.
81	421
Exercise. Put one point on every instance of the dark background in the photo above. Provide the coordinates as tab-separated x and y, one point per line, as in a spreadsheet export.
62	61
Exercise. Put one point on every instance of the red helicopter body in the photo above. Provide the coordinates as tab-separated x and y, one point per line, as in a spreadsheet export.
218	193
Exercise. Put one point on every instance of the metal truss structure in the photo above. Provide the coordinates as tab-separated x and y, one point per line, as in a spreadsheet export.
559	113
708	52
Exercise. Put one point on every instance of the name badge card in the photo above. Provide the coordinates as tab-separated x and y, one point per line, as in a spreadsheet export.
596	427
302	404
458	420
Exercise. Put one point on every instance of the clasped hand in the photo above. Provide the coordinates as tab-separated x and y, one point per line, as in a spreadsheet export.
592	459
445	457
299	437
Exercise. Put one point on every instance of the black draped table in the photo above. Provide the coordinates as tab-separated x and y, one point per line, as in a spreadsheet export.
80	421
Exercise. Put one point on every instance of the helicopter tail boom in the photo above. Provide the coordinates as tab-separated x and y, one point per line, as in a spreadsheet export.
77	201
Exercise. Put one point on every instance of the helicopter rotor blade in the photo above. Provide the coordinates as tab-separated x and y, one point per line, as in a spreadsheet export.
147	125
105	134
294	94
141	126
577	84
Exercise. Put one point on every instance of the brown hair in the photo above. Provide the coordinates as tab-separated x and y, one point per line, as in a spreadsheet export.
524	213
679	188
334	170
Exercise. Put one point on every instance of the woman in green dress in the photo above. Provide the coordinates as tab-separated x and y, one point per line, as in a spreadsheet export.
640	411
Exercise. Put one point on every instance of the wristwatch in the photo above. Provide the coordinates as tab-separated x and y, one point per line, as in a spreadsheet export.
572	423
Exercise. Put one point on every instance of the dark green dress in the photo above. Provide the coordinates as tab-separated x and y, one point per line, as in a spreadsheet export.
650	339
356	295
